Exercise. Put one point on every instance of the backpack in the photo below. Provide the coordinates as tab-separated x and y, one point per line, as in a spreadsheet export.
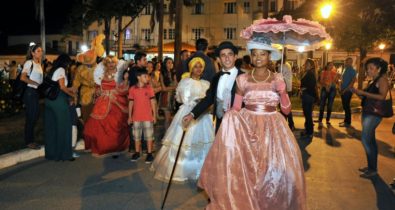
20	86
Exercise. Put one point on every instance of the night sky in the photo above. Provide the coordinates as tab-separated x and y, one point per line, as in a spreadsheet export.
56	14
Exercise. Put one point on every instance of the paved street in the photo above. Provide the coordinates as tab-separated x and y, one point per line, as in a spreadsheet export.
331	161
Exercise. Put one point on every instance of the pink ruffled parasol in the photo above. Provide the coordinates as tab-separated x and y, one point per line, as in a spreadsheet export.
290	33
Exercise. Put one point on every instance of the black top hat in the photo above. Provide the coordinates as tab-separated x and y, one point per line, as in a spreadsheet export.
226	45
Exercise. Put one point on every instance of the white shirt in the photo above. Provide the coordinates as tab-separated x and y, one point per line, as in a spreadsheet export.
59	74
225	85
287	75
36	74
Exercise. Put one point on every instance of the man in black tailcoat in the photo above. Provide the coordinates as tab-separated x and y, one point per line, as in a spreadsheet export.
222	89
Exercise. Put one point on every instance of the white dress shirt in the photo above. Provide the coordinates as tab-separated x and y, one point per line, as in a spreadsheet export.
225	85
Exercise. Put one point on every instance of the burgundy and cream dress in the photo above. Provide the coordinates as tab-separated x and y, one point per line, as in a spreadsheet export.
254	162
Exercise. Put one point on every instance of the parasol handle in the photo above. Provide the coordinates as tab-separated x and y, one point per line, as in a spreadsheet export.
282	53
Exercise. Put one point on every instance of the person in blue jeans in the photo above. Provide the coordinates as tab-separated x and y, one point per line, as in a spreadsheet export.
308	86
347	82
328	81
377	90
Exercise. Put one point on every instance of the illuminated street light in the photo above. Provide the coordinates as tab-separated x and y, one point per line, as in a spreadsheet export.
382	46
301	49
328	46
84	48
31	44
326	10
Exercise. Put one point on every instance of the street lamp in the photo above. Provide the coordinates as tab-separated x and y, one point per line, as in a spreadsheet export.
326	10
382	47
84	48
328	46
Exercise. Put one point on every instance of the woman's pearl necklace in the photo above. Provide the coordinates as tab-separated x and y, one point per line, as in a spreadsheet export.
253	78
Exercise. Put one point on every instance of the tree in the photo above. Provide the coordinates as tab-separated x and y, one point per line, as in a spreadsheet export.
356	25
175	15
103	11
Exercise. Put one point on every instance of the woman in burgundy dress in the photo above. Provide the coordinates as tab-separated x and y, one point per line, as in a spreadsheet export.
106	131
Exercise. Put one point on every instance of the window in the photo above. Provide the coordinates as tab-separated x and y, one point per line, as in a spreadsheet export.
55	44
77	45
70	47
230	33
148	10
273	6
146	34
292	4
165	8
114	35
128	34
230	8
246	7
165	34
92	35
197	33
198	9
171	33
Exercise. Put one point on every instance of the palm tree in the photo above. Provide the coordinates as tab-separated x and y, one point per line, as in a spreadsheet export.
175	14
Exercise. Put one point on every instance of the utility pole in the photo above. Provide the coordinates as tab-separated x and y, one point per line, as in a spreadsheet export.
178	32
160	38
42	20
120	37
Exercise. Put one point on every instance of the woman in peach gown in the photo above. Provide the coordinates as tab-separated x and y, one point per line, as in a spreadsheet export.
255	162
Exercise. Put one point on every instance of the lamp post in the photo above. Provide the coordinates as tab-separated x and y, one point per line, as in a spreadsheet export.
326	52
326	11
382	47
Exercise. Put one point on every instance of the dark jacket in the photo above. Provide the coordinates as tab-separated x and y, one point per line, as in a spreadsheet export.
308	84
211	99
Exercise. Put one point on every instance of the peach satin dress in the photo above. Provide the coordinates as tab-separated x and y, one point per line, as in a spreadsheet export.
255	161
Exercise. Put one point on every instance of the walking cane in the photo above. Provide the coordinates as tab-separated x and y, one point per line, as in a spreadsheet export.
174	168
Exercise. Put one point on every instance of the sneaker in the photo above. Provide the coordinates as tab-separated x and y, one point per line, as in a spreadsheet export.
344	125
368	174
33	146
149	158
75	155
135	157
363	169
304	135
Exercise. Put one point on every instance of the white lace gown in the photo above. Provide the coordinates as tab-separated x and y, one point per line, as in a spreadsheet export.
197	141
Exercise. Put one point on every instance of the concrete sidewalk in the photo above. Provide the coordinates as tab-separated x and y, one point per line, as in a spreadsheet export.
331	161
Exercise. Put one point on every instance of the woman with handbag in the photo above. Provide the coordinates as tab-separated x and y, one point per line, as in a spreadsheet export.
32	75
57	119
374	108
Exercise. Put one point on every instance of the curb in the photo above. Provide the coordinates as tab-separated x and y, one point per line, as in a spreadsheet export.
20	156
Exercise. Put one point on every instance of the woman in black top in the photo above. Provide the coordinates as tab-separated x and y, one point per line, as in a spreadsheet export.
376	68
308	87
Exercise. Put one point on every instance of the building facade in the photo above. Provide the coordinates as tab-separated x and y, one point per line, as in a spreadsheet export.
215	20
69	44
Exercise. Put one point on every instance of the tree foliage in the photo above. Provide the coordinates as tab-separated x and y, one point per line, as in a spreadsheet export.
84	14
355	24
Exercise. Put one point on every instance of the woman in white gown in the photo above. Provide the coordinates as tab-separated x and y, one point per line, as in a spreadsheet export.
199	134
